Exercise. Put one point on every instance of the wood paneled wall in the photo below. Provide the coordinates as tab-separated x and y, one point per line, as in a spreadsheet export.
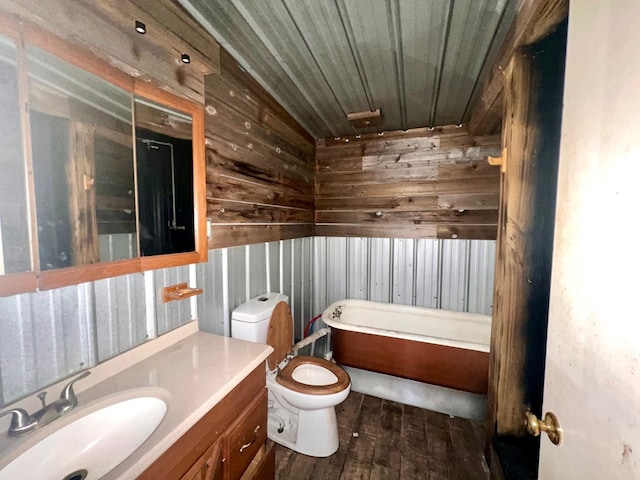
260	163
107	29
416	184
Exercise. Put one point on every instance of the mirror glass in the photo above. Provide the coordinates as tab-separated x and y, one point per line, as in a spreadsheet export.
15	247
82	150
164	159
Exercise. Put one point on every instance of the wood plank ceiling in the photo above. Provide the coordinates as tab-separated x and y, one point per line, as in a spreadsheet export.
422	62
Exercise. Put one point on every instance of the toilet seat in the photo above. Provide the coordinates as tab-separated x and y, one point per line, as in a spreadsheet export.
280	337
285	377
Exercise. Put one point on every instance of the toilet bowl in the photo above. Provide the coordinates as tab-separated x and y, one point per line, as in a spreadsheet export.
303	391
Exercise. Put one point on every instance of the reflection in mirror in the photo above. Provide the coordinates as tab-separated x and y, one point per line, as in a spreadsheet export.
164	159
15	249
82	148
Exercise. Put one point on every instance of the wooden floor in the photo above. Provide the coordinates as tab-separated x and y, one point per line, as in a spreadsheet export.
380	439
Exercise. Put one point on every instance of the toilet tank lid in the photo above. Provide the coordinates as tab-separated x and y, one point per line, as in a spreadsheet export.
258	308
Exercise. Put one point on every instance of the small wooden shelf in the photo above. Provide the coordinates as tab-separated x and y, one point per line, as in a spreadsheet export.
179	292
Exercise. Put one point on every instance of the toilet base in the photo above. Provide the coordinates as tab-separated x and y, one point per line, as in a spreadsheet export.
310	432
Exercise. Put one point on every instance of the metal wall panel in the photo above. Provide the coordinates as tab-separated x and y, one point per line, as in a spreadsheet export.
50	335
297	300
336	280
357	268
454	270
53	334
274	266
284	266
448	274
226	22
320	275
46	336
482	263
257	269
119	246
171	315
307	281
210	275
427	273
380	262
403	271
237	276
422	62
286	274
120	307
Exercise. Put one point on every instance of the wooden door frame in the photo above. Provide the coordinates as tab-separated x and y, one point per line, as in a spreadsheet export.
531	140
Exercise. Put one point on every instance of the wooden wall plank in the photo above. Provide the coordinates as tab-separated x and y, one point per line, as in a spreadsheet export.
409	187
408	184
394	203
246	234
260	164
106	28
473	217
220	211
251	166
249	87
467	232
375	231
224	187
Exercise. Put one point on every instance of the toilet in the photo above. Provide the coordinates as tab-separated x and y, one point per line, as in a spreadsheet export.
303	391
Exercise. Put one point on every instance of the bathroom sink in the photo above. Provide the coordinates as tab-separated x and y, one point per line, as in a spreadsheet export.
91	444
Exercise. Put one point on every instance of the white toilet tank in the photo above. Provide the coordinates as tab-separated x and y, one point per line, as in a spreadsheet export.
250	321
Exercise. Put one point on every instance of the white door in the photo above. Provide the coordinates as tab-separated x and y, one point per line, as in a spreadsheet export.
592	377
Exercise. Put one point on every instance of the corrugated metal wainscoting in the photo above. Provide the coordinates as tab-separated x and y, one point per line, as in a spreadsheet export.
49	335
234	275
448	274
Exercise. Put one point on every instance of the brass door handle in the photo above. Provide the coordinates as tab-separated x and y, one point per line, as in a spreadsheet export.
550	425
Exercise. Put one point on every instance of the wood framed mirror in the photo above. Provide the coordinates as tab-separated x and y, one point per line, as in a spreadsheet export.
17	268
87	208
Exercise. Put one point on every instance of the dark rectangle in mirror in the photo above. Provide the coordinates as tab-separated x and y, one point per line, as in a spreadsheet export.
165	190
164	166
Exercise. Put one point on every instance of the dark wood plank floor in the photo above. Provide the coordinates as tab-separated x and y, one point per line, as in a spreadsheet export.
380	439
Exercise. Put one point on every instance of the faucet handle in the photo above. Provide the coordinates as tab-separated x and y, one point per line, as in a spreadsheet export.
69	395
21	421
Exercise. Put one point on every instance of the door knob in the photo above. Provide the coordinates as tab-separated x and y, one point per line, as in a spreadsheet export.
550	425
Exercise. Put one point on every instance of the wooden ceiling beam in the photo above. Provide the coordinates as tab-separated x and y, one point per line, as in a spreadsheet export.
534	20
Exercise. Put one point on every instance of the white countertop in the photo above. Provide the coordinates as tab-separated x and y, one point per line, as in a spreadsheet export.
190	370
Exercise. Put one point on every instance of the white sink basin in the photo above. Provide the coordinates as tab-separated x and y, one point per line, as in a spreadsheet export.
92	444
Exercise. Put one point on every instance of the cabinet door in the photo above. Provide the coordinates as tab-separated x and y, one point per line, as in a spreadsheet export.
245	437
263	468
208	466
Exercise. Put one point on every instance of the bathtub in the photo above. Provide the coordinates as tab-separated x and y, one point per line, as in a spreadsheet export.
438	347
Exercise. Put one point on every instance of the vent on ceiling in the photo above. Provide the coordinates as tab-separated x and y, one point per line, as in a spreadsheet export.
366	122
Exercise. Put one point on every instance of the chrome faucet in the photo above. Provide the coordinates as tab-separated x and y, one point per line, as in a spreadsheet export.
22	422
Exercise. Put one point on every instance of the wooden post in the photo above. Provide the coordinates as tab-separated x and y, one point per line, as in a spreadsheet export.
531	134
81	172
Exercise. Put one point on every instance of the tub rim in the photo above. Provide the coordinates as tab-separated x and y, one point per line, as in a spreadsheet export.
327	318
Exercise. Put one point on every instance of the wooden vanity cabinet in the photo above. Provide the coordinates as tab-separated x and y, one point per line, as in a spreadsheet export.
228	443
209	466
